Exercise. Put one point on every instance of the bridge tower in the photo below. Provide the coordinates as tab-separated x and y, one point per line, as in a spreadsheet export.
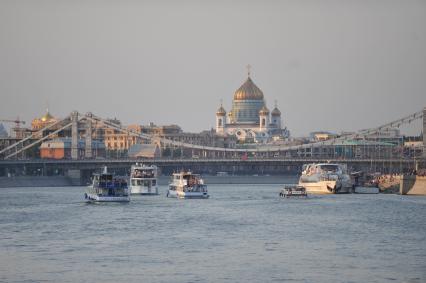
88	143
74	135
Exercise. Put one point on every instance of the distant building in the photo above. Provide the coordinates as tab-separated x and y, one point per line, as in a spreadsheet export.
205	138
60	148
116	140
388	135
249	120
21	133
162	131
42	122
321	136
144	151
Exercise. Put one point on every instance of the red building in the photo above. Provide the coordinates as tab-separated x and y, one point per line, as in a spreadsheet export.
61	149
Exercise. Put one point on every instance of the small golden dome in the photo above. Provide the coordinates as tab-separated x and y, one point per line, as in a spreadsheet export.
248	91
46	117
221	111
276	112
264	111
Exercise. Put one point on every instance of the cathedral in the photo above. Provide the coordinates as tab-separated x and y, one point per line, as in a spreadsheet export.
249	119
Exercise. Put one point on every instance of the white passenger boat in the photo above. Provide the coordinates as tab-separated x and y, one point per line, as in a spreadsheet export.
293	191
143	179
325	178
187	185
107	188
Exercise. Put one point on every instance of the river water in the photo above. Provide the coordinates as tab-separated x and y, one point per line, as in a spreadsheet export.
243	233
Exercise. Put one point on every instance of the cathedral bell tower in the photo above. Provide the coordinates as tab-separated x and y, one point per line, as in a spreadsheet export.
220	120
276	116
264	119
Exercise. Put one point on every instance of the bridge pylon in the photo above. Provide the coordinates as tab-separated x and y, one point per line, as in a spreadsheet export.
88	138
424	133
74	135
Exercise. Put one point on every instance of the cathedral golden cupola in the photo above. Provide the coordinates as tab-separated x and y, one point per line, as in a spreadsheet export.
46	117
248	91
276	112
264	111
221	111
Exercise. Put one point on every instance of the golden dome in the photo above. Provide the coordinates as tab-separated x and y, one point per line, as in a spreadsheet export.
221	111
248	91
46	117
264	111
276	112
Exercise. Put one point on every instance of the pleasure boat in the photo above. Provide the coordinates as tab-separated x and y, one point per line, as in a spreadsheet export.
365	183
325	178
143	179
107	188
187	185
293	191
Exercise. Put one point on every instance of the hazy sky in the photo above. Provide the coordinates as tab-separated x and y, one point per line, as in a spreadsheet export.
332	65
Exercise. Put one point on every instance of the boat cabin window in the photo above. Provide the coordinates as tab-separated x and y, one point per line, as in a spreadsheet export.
330	168
154	182
138	182
191	180
107	178
143	173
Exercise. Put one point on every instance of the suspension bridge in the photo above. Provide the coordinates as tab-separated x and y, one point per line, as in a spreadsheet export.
263	158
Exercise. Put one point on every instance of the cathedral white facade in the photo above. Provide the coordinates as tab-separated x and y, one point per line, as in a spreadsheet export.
249	119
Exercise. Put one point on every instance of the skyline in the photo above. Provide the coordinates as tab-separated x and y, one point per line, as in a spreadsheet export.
330	65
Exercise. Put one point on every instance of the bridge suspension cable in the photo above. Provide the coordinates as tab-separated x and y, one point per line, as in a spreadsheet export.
37	141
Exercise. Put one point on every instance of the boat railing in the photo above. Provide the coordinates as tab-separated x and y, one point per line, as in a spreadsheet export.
135	175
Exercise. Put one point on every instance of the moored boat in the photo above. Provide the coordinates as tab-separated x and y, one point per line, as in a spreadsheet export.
185	184
293	191
107	188
365	183
143	179
325	178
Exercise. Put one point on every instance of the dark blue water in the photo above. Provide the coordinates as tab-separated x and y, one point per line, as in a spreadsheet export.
242	233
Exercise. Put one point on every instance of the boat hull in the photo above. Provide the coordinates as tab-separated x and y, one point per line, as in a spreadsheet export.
95	198
297	192
326	187
187	195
